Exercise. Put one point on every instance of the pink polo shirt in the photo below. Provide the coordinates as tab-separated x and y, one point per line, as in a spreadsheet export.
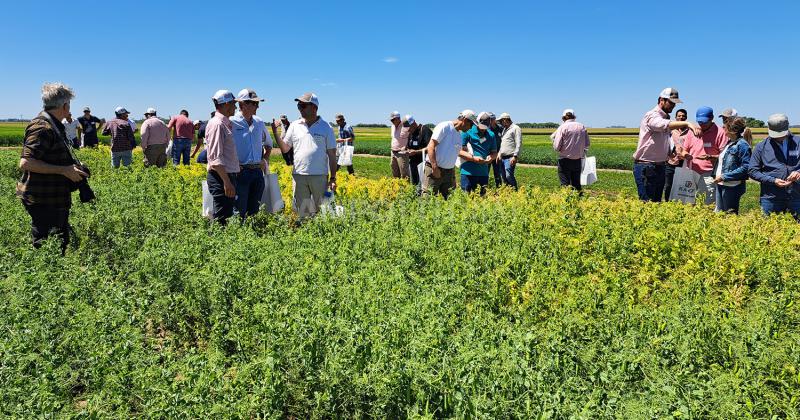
711	142
220	145
399	137
571	140
154	131
654	135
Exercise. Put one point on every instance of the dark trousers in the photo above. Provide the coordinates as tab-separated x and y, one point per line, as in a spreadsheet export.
728	198
249	189
669	175
202	157
497	173
414	162
181	148
569	173
781	205
650	180
470	183
223	206
46	221
350	169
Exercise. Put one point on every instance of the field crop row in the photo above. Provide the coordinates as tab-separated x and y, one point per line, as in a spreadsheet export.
519	305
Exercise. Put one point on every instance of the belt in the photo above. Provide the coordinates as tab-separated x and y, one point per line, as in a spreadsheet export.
251	166
652	163
506	156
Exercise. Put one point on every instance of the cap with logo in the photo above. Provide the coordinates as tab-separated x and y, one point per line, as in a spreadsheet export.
491	115
308	98
223	96
569	111
248	95
505	116
150	111
469	114
671	95
394	115
121	110
778	125
704	114
729	113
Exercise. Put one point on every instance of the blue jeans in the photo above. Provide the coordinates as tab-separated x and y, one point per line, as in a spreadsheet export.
507	172
650	179
125	156
249	189
202	157
728	197
181	147
471	182
781	205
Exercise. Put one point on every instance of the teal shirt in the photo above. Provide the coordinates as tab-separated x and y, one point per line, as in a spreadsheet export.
483	145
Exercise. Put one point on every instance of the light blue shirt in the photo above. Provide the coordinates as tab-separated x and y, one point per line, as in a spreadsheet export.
250	139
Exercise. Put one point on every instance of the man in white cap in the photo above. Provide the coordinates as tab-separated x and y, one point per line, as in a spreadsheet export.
314	146
122	141
155	136
443	150
223	161
89	124
418	138
775	163
571	141
399	134
346	138
253	145
652	151
510	145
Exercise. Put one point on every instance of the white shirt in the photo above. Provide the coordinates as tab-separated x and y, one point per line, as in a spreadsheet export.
70	128
311	145
448	144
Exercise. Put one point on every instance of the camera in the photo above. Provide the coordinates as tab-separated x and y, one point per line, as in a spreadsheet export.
84	190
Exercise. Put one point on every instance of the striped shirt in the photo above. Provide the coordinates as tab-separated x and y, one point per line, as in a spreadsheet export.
347	132
121	135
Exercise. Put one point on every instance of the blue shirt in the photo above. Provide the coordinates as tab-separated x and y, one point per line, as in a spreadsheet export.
250	139
347	132
483	144
770	162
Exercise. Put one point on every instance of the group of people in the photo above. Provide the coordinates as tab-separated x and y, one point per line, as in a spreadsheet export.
722	157
238	145
479	141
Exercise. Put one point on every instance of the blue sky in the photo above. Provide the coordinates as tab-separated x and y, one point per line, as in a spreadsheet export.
607	60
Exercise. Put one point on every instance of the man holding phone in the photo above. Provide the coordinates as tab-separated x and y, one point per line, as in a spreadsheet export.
701	152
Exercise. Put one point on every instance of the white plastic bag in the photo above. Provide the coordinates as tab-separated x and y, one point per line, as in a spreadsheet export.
346	156
329	205
460	161
685	185
589	171
271	200
208	202
423	181
169	150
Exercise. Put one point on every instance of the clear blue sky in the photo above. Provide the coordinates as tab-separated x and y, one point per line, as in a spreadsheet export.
607	60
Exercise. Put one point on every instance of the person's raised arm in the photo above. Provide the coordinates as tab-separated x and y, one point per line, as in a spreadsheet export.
282	143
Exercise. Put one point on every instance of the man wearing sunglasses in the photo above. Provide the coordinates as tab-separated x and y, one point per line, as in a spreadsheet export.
312	141
253	145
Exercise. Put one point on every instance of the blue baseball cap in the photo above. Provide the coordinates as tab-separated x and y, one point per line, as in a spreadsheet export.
704	114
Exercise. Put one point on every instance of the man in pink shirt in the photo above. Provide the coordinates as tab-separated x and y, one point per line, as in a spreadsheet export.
652	152
571	141
701	151
155	136
183	133
400	165
223	161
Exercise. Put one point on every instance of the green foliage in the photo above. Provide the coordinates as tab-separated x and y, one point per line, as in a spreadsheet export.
754	123
520	305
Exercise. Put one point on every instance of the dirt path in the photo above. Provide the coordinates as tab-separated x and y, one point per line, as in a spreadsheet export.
521	165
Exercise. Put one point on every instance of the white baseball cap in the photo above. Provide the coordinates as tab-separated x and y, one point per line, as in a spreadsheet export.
150	111
248	95
409	119
394	115
483	116
504	116
469	114
308	98
568	111
121	110
729	113
671	94
223	97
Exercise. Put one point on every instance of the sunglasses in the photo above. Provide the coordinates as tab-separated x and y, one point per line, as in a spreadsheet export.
302	105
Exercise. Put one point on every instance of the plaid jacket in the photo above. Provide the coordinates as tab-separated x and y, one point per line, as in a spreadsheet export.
45	141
